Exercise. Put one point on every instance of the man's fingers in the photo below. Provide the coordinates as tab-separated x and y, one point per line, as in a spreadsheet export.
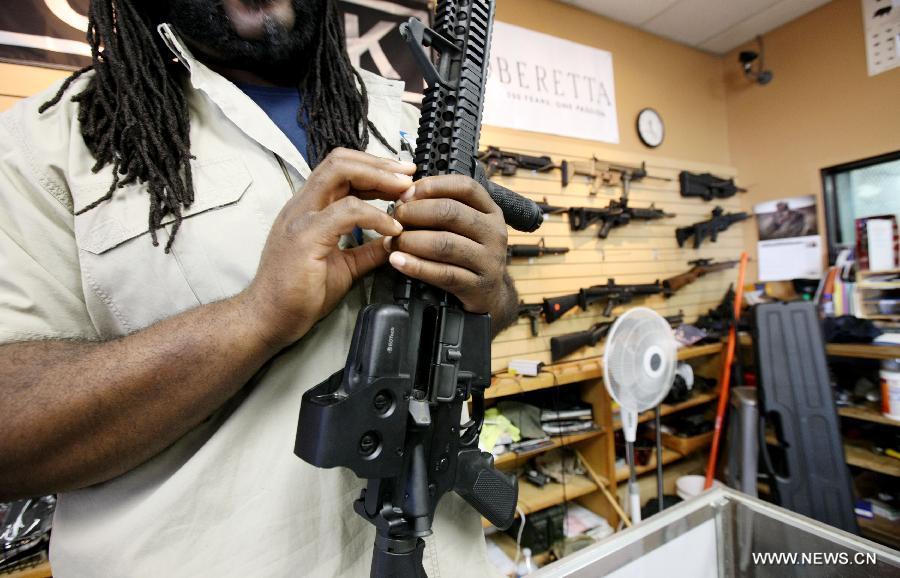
458	187
340	218
363	259
344	171
441	247
446	215
450	278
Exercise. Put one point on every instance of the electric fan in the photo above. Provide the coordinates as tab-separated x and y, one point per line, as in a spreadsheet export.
638	369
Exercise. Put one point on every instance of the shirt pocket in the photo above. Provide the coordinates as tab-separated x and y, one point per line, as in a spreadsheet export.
130	283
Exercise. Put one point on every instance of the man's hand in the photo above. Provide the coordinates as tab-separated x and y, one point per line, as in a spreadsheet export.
302	273
455	238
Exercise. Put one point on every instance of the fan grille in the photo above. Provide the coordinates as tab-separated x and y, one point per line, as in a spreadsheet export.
639	359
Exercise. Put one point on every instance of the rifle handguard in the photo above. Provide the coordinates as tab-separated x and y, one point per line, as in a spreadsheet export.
492	493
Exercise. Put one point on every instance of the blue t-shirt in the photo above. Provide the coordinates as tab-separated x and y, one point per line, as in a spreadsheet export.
281	105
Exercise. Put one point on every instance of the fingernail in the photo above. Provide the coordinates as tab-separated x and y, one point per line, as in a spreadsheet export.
398	225
408	193
407	166
398	259
387	243
404	178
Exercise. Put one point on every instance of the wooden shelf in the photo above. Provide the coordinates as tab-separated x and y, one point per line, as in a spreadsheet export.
666	409
42	570
699	351
558	441
669	456
504	384
863	350
867	413
534	499
881	530
865	458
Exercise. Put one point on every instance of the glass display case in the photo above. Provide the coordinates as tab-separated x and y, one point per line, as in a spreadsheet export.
724	533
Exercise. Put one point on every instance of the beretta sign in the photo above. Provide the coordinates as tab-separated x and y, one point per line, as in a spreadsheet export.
546	84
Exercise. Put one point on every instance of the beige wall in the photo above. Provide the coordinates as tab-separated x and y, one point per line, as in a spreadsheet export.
821	109
683	84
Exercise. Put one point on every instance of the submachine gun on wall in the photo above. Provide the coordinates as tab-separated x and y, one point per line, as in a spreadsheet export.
508	163
393	414
563	345
720	221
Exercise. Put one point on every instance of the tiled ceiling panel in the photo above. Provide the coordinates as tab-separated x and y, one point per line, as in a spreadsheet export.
713	25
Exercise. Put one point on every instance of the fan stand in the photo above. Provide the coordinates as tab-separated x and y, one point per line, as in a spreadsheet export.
629	430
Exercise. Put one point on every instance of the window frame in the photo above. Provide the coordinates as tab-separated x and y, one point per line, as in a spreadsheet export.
829	194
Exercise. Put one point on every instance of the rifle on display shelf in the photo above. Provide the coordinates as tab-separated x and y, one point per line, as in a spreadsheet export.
533	311
612	294
606	174
551	209
675	320
537	250
393	414
700	268
617	214
508	163
707	186
563	345
711	228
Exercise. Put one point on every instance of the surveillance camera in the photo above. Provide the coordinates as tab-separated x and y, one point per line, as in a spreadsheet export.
747	56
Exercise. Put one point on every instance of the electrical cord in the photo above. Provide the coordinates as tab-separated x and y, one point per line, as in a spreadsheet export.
519	536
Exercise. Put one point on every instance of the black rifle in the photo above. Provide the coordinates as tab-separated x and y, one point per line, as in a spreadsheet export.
563	345
606	174
617	214
507	163
700	268
533	311
719	222
538	250
707	186
612	294
551	209
393	414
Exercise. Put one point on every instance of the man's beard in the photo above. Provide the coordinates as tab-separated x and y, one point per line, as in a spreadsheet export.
206	26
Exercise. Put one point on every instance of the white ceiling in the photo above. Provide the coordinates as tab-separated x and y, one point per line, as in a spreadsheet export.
712	25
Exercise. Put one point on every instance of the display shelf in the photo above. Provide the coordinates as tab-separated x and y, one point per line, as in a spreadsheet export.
863	350
687	445
854	350
558	441
881	530
867	413
504	384
42	570
508	544
669	456
534	499
666	409
865	458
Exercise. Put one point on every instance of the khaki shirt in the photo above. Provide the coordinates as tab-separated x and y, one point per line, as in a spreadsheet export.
229	498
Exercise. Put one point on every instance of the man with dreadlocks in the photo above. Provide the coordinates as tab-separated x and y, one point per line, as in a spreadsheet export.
175	276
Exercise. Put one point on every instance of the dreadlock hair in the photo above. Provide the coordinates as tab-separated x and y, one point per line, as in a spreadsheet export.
134	115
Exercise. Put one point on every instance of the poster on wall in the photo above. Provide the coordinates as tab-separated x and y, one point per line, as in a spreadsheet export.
52	33
881	21
542	83
790	246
